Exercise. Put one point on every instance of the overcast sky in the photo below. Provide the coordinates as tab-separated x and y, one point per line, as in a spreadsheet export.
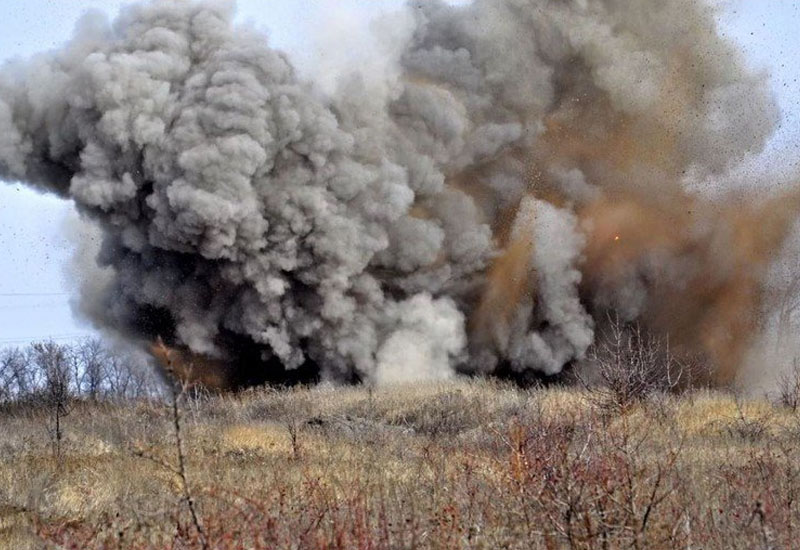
34	296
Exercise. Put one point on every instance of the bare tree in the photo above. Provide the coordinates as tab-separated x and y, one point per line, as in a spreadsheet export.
789	387
17	378
53	362
6	379
632	365
786	302
91	359
118	375
52	372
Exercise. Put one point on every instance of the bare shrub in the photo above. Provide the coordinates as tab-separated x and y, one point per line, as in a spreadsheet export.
178	393
789	387
631	365
747	427
447	414
552	474
52	361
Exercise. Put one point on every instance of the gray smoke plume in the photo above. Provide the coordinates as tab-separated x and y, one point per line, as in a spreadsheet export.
512	171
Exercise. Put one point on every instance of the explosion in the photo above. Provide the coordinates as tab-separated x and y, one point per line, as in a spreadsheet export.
520	170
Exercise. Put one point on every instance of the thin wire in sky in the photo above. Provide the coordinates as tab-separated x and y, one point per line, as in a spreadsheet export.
44	338
13	294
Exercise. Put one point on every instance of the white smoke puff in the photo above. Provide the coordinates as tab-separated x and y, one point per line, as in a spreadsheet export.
415	244
574	185
557	251
629	73
468	240
428	339
92	281
350	50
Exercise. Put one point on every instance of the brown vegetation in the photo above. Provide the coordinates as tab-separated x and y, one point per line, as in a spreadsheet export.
459	465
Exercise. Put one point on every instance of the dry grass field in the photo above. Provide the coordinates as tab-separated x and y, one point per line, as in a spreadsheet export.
459	465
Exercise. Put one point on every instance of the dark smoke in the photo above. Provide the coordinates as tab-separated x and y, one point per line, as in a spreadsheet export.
520	171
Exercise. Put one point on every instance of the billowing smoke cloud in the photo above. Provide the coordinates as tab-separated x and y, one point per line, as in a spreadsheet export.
513	171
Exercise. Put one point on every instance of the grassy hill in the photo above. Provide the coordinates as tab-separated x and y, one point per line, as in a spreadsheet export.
457	465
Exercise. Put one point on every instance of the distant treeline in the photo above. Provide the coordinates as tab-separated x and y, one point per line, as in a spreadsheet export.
87	369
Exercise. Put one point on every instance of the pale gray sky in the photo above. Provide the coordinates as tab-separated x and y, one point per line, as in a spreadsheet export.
34	296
